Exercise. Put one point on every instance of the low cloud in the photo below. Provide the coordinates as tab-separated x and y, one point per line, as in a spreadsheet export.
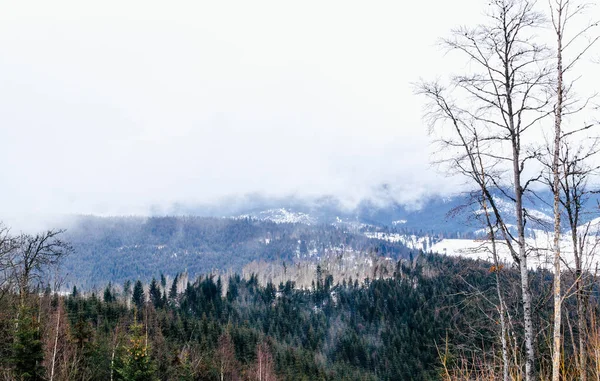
134	108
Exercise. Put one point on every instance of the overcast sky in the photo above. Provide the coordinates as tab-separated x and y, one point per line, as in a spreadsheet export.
114	107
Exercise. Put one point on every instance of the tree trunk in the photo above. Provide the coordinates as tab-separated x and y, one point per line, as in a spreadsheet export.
556	342
581	310
55	344
524	271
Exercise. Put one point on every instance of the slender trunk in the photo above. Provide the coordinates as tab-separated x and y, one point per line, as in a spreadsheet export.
581	313
55	344
572	197
505	363
146	341
112	357
259	366
571	335
503	332
518	188
581	326
556	342
524	272
511	333
112	363
23	290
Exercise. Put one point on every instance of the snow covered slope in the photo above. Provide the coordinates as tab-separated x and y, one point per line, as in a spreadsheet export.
281	216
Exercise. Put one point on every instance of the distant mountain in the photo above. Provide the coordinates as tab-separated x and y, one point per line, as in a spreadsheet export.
281	230
454	216
119	248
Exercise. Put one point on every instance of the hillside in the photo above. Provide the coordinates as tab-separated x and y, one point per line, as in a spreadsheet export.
119	248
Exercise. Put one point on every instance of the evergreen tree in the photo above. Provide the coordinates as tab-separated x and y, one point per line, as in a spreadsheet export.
27	351
173	290
163	281
155	295
139	298
136	363
109	295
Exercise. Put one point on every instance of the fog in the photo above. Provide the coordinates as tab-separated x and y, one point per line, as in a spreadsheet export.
133	107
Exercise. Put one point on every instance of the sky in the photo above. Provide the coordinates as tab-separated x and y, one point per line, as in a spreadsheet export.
117	107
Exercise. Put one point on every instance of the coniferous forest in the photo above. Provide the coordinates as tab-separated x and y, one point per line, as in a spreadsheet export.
431	314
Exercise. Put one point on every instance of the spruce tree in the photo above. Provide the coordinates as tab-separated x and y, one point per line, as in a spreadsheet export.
155	295
27	349
138	294
173	290
163	281
136	362
109	295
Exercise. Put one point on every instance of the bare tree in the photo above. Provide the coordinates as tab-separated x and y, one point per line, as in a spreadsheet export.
265	365
503	100
226	360
34	255
563	13
576	171
8	244
470	163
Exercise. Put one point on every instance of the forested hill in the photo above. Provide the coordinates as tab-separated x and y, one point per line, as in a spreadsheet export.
398	328
119	248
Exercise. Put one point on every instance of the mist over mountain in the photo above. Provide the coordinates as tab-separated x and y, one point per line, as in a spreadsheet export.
230	236
433	212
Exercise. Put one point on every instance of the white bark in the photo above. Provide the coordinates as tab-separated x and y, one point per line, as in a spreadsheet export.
55	344
556	336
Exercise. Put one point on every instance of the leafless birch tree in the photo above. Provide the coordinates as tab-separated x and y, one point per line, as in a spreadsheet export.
563	14
497	107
